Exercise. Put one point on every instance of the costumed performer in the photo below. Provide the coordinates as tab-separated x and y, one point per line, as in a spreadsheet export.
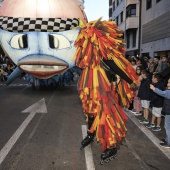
100	54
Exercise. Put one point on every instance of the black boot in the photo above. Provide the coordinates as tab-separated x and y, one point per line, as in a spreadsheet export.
108	154
90	136
90	120
87	140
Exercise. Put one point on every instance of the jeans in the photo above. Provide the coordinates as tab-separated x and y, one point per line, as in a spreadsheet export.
167	128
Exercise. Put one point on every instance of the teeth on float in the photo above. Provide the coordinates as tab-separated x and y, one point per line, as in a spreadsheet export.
36	66
26	66
40	67
52	67
56	67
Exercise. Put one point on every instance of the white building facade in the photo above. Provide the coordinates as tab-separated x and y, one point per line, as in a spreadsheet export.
155	28
146	25
126	15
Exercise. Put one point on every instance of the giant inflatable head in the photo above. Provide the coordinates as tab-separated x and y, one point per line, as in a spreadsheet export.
38	35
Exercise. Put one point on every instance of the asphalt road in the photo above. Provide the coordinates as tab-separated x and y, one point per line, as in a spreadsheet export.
49	138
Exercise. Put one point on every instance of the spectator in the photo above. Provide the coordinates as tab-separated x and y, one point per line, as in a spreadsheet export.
133	62
151	69
156	103
1	74
144	95
143	63
166	74
137	59
137	108
164	64
146	59
1	59
150	61
6	66
165	111
156	61
5	73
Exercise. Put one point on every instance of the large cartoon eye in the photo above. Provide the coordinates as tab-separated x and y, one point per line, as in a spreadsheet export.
58	41
19	41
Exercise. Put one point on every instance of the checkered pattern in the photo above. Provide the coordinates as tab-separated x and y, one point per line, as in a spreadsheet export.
37	24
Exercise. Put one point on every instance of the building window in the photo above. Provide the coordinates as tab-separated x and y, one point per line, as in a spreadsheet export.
121	17
134	39
117	20
128	40
117	2
113	5
110	2
148	4
157	1
110	12
131	10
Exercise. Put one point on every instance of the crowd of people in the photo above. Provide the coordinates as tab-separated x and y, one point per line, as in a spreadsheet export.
6	68
153	93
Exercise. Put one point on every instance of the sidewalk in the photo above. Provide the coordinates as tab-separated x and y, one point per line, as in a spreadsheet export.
155	137
160	134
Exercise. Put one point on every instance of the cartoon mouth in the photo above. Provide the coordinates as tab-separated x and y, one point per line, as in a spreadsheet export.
42	68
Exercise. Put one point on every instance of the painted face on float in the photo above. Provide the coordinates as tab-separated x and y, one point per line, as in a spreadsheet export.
41	45
41	54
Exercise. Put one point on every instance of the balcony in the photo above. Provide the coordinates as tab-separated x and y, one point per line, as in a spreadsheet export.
129	2
132	22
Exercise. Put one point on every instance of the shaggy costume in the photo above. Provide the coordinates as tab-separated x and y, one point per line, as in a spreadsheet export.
98	44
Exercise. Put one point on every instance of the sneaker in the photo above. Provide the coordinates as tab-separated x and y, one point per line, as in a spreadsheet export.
144	121
137	114
150	125
165	145
141	119
133	111
156	129
163	140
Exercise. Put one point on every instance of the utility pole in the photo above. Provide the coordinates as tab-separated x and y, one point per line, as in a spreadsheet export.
139	40
125	39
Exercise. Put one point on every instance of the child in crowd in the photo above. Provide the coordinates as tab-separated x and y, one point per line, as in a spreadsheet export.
133	62
156	102
137	108
165	111
144	95
164	64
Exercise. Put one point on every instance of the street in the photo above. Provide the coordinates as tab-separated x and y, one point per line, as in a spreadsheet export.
43	129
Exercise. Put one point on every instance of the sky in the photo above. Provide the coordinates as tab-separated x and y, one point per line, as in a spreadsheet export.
95	9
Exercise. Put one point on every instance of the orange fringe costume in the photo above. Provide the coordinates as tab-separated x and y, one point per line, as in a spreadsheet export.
96	41
125	94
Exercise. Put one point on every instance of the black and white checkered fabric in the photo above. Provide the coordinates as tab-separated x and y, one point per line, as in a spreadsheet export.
37	24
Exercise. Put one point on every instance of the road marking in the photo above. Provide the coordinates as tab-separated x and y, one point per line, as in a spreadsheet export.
148	133
14	85
17	85
30	85
88	151
38	107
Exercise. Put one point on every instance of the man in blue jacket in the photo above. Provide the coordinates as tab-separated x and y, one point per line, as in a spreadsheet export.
166	111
